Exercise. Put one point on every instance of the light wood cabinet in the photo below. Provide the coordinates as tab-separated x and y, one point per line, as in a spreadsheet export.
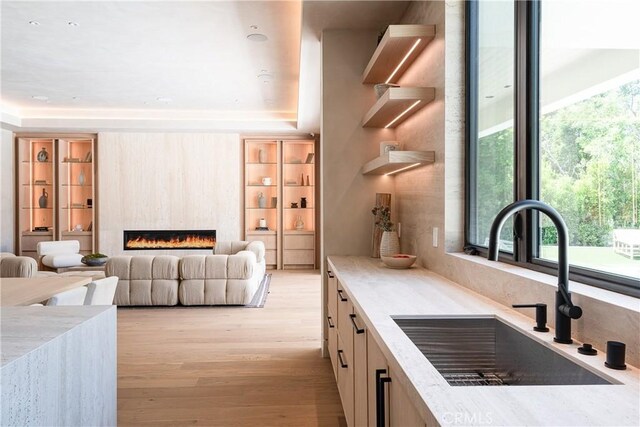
401	411
55	191
376	368
370	391
280	200
361	402
345	380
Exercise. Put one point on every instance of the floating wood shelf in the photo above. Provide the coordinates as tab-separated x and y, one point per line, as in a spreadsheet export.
394	161
396	43
391	108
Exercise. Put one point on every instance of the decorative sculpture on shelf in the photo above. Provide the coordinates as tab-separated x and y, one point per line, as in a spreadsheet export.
43	156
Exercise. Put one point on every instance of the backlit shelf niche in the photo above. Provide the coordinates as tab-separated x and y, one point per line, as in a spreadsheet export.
283	172
398	161
399	47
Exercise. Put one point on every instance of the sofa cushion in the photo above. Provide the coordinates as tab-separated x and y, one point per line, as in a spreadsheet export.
62	260
145	279
18	266
203	267
241	265
58	247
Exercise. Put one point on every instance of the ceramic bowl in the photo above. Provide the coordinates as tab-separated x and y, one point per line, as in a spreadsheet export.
94	262
399	260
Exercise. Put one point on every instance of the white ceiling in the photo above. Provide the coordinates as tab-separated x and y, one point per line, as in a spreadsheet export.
171	64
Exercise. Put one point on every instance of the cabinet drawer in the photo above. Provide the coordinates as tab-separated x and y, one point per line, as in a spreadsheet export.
299	242
270	257
30	242
345	381
332	296
345	329
86	244
269	240
333	343
299	256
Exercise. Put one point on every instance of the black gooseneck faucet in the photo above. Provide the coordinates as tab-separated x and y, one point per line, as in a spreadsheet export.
565	310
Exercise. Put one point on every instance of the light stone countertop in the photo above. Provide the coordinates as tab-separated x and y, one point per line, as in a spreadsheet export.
378	293
24	329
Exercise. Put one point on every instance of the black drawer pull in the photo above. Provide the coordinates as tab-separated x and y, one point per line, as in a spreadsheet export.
331	325
342	364
342	297
330	274
353	321
380	400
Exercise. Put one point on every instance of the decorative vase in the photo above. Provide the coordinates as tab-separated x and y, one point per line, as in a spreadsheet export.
43	156
81	177
262	201
262	155
303	202
383	200
299	223
44	199
390	244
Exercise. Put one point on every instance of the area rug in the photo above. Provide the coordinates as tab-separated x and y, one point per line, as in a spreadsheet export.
261	294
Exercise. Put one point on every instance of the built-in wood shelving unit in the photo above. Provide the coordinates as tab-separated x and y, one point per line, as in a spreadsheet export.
395	161
396	105
386	64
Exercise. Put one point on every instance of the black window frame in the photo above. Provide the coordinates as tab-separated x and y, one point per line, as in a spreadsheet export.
526	149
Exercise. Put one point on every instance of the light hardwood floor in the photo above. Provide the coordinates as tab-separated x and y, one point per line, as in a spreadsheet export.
229	366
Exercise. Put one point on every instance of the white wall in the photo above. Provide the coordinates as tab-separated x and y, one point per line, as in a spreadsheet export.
176	181
347	195
7	192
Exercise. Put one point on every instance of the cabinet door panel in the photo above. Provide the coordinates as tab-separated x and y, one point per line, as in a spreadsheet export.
375	361
332	338
345	330
402	413
299	242
345	380
299	256
332	296
360	373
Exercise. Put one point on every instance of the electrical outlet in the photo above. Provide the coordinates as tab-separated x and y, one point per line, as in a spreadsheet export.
434	237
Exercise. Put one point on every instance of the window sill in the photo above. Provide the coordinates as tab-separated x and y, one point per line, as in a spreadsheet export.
616	299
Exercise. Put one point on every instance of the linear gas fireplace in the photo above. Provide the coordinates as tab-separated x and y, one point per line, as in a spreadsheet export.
169	239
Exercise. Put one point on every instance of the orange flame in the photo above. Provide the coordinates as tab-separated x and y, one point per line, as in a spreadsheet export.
188	242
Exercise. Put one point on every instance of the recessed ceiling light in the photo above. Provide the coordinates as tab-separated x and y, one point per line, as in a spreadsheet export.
263	71
489	96
163	99
265	76
253	27
257	37
72	24
75	98
35	23
507	86
40	97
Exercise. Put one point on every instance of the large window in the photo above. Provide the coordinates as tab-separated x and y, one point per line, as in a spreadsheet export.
554	114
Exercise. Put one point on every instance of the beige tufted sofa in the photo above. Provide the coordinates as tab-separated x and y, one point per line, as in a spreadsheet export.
17	266
231	275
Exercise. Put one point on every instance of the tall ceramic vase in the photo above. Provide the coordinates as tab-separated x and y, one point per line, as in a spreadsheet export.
390	244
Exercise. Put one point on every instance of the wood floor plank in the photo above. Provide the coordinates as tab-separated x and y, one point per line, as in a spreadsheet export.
229	366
